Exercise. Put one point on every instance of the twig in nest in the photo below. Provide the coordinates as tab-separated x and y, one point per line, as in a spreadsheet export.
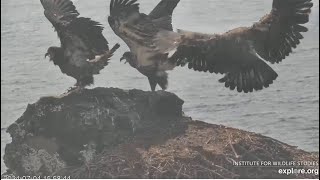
89	171
211	171
165	165
159	166
226	170
249	138
186	175
105	173
157	169
168	163
233	149
230	160
178	174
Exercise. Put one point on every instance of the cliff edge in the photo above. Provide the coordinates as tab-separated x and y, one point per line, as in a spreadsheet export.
112	133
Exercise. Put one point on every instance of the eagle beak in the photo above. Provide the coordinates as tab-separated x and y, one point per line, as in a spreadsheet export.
123	58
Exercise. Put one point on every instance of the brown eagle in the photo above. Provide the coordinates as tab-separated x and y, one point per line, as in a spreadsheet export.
84	51
162	15
239	54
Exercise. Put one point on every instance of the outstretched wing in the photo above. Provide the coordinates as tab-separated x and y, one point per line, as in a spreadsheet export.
59	12
81	38
280	31
240	53
134	28
164	8
161	15
163	12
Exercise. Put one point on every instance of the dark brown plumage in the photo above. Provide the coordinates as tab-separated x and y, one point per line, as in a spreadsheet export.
239	54
84	51
137	30
164	9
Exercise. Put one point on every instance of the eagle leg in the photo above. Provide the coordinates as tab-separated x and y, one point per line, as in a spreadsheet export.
81	84
153	83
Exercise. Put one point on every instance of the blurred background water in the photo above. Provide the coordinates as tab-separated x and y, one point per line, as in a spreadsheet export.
287	111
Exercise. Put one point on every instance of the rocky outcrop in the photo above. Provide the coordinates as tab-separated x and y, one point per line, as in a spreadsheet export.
111	133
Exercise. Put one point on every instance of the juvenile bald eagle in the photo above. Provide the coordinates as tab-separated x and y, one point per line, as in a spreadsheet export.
162	15
238	54
84	51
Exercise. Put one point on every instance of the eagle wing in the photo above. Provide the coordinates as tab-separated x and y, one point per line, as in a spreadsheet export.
280	31
240	53
59	12
161	15
81	38
164	10
134	28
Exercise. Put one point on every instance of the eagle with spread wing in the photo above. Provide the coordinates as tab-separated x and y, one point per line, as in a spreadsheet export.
162	16
84	51
239	54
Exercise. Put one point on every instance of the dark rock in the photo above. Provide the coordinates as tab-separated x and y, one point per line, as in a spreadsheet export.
111	133
57	132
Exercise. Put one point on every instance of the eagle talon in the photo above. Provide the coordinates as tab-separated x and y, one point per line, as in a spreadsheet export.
71	89
75	88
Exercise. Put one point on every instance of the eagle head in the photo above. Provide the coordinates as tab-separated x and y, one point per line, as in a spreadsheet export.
129	58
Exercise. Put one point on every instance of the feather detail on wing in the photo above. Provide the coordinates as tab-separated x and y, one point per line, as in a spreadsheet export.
164	8
81	38
90	32
59	12
244	70
240	53
123	8
159	19
133	27
279	32
162	13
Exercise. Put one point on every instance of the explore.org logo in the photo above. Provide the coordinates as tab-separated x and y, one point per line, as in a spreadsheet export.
284	167
293	171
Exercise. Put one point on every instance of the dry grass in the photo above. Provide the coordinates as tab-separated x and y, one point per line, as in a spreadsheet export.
199	151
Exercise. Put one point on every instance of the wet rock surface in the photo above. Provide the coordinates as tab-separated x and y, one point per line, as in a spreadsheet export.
112	133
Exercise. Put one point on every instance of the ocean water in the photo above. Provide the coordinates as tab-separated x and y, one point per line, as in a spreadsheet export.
287	111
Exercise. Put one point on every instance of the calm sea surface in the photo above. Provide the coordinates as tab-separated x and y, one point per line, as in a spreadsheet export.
287	111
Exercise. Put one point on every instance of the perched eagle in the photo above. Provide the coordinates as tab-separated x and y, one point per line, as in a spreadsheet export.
84	51
162	16
239	54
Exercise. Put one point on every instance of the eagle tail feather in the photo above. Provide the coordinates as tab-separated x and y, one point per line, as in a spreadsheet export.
102	60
